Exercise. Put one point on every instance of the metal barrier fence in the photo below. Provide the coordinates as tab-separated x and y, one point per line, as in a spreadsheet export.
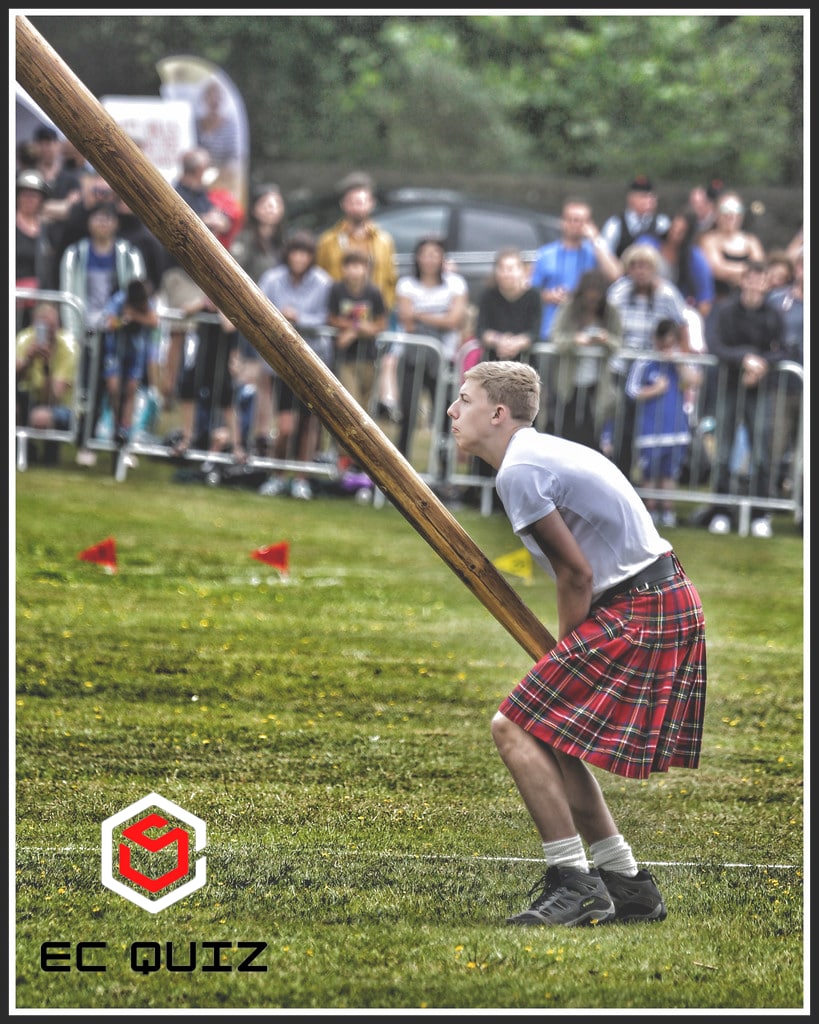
743	451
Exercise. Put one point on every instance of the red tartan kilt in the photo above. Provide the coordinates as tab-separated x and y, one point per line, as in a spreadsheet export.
625	691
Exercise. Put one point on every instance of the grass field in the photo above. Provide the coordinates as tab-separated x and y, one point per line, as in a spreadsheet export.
332	730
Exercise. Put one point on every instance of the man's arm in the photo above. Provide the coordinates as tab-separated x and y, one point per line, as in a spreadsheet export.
610	266
573	574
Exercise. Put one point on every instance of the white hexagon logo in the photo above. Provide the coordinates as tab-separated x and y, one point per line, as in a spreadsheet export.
119	866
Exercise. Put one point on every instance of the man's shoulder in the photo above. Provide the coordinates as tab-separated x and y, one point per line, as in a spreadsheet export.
24	340
381	233
548	250
332	233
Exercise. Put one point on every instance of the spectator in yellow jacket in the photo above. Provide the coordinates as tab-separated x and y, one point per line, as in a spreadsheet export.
357	230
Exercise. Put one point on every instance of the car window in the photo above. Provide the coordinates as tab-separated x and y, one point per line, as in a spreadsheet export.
409	223
488	231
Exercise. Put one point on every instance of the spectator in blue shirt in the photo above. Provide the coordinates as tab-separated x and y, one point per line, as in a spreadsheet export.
560	265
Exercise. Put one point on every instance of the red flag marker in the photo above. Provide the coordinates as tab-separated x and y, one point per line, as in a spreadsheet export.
104	554
276	555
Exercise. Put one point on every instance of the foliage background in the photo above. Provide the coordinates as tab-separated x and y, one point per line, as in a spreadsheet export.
689	96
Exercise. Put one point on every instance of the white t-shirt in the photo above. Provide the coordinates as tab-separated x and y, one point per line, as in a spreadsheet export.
541	473
434	299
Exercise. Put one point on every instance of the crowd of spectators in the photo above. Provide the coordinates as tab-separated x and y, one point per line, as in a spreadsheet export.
667	285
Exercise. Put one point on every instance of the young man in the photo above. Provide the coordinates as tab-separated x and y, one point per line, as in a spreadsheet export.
640	217
624	687
560	265
357	230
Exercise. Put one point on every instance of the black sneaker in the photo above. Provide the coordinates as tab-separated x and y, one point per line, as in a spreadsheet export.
635	899
568	896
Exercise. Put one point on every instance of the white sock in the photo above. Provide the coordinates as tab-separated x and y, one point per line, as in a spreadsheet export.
614	854
566	853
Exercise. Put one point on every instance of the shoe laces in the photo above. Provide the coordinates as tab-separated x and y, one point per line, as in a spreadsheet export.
547	888
544	883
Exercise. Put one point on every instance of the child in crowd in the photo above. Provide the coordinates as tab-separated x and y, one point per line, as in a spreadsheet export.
130	352
356	309
662	434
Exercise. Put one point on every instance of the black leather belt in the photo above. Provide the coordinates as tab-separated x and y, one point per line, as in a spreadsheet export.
663	569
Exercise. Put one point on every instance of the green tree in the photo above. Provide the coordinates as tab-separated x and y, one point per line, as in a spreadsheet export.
591	96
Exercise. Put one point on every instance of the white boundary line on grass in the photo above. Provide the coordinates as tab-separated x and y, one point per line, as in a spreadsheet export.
539	860
71	849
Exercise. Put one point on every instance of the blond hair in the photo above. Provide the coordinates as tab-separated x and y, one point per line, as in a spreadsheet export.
510	383
641	251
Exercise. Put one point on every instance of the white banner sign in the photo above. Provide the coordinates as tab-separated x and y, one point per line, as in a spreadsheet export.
164	129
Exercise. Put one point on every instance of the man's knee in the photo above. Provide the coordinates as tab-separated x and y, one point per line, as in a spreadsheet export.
503	731
41	418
